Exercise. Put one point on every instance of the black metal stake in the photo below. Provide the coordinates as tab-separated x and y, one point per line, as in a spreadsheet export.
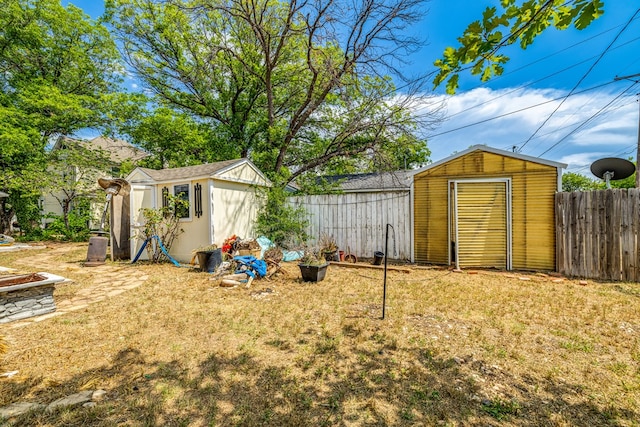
384	286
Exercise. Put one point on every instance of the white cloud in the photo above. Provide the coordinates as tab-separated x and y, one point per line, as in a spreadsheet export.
585	127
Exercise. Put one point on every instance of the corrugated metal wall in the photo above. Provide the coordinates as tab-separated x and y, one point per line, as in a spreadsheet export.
533	188
358	221
482	224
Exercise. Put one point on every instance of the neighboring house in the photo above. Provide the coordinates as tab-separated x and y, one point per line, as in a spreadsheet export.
223	200
76	166
482	207
357	218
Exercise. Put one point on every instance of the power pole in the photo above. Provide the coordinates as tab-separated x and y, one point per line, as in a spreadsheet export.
631	77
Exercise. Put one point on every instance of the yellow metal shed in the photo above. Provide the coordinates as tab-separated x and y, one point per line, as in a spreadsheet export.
485	207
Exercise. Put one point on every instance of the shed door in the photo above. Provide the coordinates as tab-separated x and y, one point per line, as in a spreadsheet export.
481	224
142	196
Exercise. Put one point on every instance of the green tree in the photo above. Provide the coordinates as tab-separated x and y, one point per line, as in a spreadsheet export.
56	67
295	85
572	181
73	169
481	44
174	139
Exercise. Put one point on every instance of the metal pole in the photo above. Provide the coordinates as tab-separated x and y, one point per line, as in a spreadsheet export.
384	286
631	77
638	151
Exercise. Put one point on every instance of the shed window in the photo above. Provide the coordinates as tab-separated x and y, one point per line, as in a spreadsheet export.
182	191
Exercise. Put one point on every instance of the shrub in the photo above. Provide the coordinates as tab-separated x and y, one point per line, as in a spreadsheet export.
282	223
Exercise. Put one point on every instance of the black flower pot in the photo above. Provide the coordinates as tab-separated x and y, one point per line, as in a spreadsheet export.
313	273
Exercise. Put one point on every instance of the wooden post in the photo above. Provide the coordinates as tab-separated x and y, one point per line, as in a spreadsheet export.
120	228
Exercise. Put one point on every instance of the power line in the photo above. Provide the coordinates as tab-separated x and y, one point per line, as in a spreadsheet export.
519	110
581	79
585	122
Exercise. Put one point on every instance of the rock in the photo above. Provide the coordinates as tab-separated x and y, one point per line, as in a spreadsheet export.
458	360
98	395
72	400
89	405
16	409
583	283
525	278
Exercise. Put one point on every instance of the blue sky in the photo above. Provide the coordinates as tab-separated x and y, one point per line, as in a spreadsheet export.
528	106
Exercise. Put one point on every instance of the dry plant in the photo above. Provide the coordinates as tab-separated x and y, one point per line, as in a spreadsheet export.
455	349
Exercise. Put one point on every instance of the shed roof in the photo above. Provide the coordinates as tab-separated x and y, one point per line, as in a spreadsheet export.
207	170
376	181
488	149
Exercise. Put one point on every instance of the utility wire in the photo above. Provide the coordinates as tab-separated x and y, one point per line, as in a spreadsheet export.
520	110
585	122
581	79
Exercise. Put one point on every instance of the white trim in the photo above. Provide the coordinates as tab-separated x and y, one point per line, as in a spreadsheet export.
412	213
212	230
189	185
240	163
559	173
508	207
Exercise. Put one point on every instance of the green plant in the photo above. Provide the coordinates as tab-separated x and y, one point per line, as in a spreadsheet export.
75	230
283	223
501	409
164	223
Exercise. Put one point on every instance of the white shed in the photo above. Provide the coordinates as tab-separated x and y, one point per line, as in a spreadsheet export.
223	201
358	216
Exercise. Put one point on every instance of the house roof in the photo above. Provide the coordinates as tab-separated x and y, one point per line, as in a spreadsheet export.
488	149
117	150
379	181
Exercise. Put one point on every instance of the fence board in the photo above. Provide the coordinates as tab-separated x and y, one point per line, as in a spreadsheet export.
358	221
597	234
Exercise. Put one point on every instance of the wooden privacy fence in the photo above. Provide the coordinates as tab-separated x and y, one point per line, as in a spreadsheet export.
597	234
358	221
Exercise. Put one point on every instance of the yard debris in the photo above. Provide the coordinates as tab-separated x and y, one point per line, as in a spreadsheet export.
229	283
262	294
583	283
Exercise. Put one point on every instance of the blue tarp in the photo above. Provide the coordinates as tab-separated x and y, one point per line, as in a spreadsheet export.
251	265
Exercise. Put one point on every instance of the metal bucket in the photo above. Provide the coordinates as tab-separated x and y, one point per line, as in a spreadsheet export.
378	257
210	260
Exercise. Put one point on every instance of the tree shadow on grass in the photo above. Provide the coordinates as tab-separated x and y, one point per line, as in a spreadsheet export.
383	385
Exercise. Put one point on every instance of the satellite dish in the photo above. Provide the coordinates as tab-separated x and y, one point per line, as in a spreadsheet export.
612	168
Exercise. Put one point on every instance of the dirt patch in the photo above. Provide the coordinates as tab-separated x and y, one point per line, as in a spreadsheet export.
19	280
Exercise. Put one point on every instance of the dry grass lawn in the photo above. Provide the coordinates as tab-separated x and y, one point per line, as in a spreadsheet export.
456	349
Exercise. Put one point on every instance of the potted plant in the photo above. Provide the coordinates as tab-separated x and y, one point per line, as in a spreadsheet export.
313	267
328	246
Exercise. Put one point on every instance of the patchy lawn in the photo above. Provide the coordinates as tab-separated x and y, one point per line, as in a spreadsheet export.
455	349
